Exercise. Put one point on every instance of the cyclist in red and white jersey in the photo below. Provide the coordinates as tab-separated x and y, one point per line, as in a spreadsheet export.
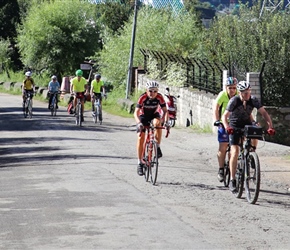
145	112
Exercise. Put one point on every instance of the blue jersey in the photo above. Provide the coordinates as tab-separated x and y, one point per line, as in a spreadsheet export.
53	86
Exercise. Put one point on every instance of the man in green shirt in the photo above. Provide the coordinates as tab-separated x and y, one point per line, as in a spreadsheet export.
96	86
219	108
78	87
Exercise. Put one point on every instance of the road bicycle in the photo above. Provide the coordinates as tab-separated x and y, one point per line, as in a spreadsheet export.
248	173
149	154
97	114
53	104
27	105
78	109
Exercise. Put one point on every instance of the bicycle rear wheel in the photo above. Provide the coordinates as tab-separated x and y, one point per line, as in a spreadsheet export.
252	178
240	177
153	169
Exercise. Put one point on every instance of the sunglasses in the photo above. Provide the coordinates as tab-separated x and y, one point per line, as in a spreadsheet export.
153	91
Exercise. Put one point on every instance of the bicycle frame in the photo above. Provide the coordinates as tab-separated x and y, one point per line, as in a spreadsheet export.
98	110
78	109
149	153
27	109
53	104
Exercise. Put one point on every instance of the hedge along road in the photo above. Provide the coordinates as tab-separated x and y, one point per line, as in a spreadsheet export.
67	187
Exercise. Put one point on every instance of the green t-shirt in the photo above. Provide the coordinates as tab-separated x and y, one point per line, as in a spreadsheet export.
222	100
78	86
97	86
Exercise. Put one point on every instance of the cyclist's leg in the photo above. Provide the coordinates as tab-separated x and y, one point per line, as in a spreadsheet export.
50	99
75	103
158	133
221	155
140	146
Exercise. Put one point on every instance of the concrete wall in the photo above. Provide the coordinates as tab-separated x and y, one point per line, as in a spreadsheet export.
196	108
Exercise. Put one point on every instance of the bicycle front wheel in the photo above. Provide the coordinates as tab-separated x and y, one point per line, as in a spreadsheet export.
153	169
227	171
240	176
29	107
252	178
146	157
24	109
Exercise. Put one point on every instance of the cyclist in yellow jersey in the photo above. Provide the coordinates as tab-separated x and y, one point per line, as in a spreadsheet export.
27	86
96	86
78	87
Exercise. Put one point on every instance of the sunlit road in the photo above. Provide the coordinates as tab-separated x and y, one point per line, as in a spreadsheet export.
66	187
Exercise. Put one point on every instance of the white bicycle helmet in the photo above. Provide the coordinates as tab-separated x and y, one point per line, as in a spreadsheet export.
53	78
28	73
243	85
152	84
231	81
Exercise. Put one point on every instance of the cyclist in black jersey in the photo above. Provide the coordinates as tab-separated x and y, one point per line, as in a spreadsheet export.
146	111
237	115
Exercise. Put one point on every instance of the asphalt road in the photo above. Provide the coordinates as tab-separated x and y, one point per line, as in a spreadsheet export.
66	187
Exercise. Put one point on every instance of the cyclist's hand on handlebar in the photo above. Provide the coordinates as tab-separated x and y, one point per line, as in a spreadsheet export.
230	130
167	125
140	127
271	131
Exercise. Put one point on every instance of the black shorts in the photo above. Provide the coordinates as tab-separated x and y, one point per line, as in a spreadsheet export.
98	95
145	120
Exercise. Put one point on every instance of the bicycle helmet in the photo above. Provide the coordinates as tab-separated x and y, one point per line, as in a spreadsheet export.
28	73
243	85
79	72
152	84
98	76
231	81
53	78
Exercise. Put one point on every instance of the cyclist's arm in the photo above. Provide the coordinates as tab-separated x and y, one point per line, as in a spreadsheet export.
104	91
165	114
225	118
136	115
217	112
266	116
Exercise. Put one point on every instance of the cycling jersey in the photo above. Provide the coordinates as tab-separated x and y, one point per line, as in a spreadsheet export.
78	86
149	106
28	84
97	86
241	111
222	100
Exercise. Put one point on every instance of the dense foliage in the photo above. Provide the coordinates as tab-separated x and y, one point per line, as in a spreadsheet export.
58	36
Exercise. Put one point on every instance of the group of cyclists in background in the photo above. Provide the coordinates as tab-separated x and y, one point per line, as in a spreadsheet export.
78	87
232	112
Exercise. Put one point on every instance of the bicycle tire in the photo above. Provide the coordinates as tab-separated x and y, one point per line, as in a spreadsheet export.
227	174
78	118
146	165
29	107
252	178
80	114
24	109
97	113
240	176
153	163
100	115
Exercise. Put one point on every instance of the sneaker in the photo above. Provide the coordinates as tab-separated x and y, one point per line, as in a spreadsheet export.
233	186
221	175
159	152
140	169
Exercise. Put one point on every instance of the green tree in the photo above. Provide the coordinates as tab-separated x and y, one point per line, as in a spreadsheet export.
4	56
156	30
58	36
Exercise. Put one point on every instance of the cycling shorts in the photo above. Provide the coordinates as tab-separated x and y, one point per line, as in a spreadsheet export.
28	91
145	120
98	95
79	95
222	135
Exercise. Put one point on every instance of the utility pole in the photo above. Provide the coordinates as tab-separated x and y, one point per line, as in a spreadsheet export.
129	77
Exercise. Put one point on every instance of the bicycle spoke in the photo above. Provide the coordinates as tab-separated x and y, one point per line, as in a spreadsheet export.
253	178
